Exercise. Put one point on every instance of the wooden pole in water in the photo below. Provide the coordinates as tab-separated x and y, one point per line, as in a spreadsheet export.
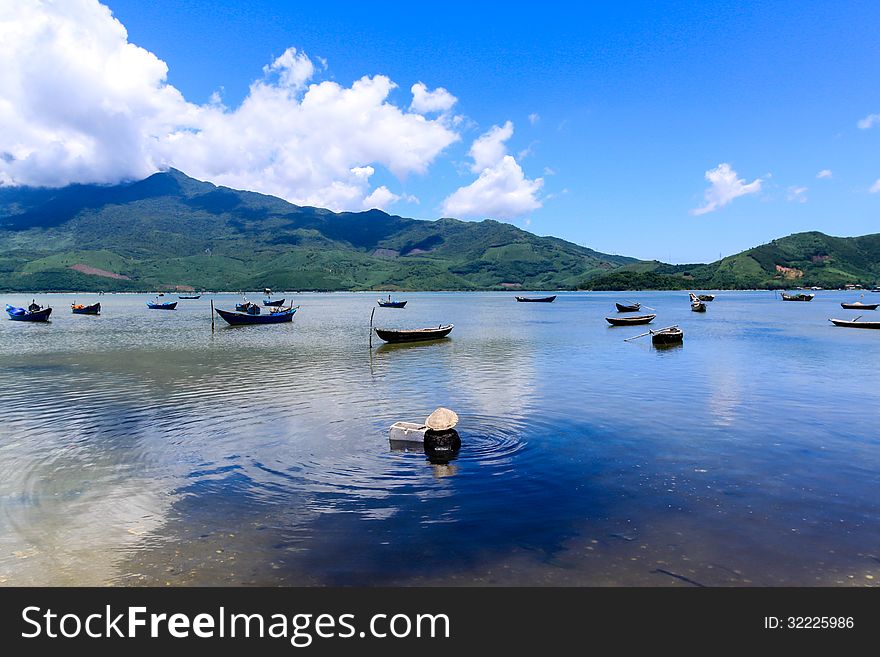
371	326
212	315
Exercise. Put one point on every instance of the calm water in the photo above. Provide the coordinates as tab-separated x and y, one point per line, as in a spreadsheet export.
139	448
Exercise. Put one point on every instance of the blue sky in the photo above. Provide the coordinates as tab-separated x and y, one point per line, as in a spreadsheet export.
631	106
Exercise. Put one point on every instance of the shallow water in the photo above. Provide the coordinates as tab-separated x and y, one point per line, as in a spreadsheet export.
139	447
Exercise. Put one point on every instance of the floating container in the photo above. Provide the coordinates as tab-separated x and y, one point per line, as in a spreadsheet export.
407	432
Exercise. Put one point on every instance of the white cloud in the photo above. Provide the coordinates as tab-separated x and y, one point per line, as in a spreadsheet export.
724	187
796	194
869	121
79	103
425	102
488	149
824	173
875	187
534	118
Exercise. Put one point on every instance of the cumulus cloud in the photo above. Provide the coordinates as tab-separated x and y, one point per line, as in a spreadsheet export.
502	189
425	102
724	186
875	187
488	149
796	194
79	103
824	173
869	121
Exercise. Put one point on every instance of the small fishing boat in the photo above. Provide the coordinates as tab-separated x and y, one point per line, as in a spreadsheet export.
696	305
273	304
536	299
31	314
253	316
624	308
195	296
630	321
244	307
665	336
390	304
855	323
858	305
706	297
414	335
797	297
161	305
82	309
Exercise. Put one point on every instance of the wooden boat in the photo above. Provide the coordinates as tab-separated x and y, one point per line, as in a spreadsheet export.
244	307
630	321
27	315
623	308
195	296
536	299
391	304
855	323
253	316
671	335
414	335
273	304
706	297
696	305
858	305
797	297
81	309
161	305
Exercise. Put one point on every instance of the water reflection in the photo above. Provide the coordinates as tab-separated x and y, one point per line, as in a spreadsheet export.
142	448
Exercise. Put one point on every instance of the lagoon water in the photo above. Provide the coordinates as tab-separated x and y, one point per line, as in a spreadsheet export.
139	448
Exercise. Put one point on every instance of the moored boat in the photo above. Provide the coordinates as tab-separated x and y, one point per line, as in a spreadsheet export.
194	296
696	305
273	304
244	307
253	316
536	299
82	309
797	297
628	308
161	305
31	314
630	321
855	323
706	297
665	336
414	335
858	305
390	304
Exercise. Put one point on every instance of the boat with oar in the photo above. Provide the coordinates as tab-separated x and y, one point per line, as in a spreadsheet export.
82	309
855	323
797	297
161	305
706	297
33	313
858	305
254	316
696	305
273	304
630	321
668	335
414	335
536	299
390	304
194	296
628	308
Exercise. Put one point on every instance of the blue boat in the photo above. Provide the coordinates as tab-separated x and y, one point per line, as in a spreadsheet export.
161	305
244	307
253	316
274	304
30	315
391	304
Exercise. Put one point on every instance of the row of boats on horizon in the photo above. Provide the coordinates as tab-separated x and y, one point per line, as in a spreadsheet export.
250	313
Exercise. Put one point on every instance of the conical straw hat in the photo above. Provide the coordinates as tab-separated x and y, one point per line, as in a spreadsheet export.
441	419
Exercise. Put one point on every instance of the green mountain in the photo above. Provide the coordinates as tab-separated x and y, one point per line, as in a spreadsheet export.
171	231
803	259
